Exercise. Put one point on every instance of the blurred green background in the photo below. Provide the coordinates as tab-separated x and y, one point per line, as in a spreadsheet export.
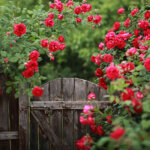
83	41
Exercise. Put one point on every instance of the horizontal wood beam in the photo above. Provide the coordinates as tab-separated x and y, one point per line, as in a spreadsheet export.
9	135
59	105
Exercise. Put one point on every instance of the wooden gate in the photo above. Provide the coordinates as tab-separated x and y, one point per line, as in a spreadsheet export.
51	122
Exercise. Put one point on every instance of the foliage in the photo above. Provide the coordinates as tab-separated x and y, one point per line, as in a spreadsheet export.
126	124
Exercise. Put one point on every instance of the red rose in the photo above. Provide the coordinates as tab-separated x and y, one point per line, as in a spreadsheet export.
129	67
62	46
78	20
127	23
34	55
112	72
90	18
134	11
91	120
83	121
99	130
19	29
120	43
101	46
109	119
102	83
147	64
120	10
99	72
97	19
143	24
77	10
5	60
136	32
60	16
128	94
49	22
147	15
51	15
54	46
110	44
52	5
137	105
28	73
93	59
37	91
108	58
117	133
59	7
33	65
44	43
116	26
61	39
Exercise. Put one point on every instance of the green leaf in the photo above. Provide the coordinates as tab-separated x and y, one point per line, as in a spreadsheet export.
102	141
9	89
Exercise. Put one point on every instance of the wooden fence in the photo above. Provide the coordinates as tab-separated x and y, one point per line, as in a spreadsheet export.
50	122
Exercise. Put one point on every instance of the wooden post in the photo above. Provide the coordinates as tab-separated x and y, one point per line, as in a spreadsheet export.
23	120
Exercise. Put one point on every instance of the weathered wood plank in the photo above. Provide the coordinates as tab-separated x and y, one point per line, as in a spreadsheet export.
23	121
68	118
74	105
93	88
4	145
56	119
80	95
49	133
14	119
8	135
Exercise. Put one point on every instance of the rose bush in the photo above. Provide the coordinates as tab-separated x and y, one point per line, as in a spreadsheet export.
124	65
27	35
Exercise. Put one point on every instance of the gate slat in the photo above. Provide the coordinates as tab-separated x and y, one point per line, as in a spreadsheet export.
81	95
68	118
56	119
4	145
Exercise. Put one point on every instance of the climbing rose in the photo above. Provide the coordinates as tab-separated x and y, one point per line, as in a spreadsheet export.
101	46
78	20
134	11
44	43
91	96
34	55
60	16
110	44
143	24
83	121
102	83
51	15
85	143
33	65
54	46
52	5
136	32
127	23
109	119
28	73
139	95
116	26
108	58
137	106
77	10
90	18
130	52
97	19
99	130
147	64
59	7
112	72
52	58
99	72
37	91
88	110
61	39
120	10
19	29
49	22
128	94
5	60
117	133
62	46
147	15
90	121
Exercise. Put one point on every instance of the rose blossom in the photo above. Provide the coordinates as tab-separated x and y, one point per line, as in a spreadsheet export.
19	29
87	110
34	55
37	91
120	10
91	96
147	64
116	26
134	11
117	133
44	43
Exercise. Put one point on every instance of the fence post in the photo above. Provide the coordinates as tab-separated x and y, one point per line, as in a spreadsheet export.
23	120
